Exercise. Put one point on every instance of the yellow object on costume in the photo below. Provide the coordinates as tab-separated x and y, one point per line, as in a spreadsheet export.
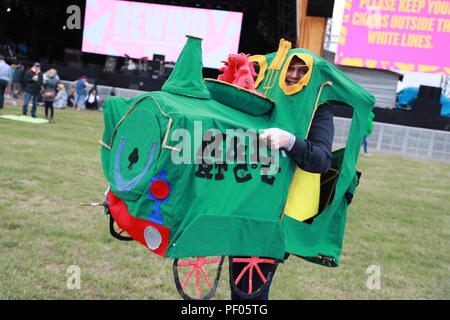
305	188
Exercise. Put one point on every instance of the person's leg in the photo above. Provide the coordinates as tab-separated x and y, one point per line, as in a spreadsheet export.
8	90
365	144
52	111
15	90
20	89
26	100
2	93
75	101
82	99
47	107
35	98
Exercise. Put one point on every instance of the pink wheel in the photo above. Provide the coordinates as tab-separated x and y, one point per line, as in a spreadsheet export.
197	266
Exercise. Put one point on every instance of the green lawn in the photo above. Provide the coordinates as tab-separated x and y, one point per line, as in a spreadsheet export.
398	221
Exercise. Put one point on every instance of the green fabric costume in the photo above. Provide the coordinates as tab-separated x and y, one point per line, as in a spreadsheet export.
225	208
370	124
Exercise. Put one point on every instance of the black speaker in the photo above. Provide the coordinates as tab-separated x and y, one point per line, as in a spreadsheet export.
427	108
429	94
159	57
428	101
320	8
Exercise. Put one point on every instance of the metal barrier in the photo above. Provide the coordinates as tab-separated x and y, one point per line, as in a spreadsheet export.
105	91
400	140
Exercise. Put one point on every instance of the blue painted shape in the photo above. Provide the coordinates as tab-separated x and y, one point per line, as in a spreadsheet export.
121	183
155	216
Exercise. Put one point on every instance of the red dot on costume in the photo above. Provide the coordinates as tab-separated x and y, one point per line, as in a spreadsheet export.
159	189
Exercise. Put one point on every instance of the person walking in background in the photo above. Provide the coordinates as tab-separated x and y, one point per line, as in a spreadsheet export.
51	81
61	97
71	98
5	79
9	88
368	132
18	81
80	92
33	80
93	100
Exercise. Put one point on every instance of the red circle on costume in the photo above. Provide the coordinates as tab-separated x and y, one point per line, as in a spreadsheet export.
159	189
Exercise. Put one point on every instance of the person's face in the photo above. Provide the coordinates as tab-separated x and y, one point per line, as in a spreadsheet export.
296	70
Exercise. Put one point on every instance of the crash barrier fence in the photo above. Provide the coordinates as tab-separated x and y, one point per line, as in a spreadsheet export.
400	140
385	138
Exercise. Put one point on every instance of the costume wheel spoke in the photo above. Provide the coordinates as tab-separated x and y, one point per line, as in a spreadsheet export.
198	267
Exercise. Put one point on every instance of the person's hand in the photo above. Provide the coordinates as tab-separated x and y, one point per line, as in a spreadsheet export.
276	138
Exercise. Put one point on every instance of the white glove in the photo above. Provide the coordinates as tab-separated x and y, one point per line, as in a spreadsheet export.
276	138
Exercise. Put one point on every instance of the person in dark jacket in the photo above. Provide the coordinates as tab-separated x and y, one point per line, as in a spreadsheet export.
18	80
313	154
93	100
33	80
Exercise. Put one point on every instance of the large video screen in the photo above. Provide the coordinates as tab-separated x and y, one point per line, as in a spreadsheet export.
403	35
119	28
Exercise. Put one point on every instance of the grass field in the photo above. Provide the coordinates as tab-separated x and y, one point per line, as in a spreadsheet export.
399	221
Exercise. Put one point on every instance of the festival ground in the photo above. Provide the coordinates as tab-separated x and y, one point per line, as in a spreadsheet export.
398	224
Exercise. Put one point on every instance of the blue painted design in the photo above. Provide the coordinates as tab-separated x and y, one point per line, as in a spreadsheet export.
127	186
155	216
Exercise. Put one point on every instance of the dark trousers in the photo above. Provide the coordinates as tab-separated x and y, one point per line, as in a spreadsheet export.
364	144
26	99
3	85
49	106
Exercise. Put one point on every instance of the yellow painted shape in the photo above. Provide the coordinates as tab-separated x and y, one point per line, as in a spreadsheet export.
425	68
294	88
371	63
346	18
405	66
343	35
355	62
262	62
348	5
283	49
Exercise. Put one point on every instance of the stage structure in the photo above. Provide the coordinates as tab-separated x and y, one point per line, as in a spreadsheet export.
141	30
312	17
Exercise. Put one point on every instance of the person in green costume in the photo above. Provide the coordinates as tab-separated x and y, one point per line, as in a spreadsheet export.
312	155
181	209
